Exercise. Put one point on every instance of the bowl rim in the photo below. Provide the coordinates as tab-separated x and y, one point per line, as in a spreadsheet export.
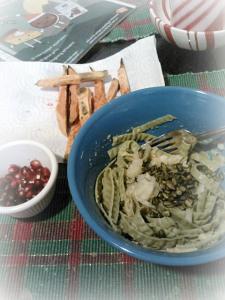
54	165
148	255
183	31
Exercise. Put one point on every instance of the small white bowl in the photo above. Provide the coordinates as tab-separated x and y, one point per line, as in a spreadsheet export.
21	153
191	40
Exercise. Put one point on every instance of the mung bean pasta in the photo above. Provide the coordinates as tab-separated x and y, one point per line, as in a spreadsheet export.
162	201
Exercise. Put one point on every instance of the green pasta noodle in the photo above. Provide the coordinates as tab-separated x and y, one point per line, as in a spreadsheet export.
117	198
113	152
167	204
138	137
154	123
108	191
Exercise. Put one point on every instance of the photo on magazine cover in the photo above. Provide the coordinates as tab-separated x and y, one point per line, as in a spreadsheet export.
56	30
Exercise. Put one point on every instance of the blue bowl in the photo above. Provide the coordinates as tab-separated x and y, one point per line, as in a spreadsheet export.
195	110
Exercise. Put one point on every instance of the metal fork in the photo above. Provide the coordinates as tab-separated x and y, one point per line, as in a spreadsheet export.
173	141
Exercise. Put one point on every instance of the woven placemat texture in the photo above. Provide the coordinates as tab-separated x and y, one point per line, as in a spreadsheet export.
213	82
57	256
135	26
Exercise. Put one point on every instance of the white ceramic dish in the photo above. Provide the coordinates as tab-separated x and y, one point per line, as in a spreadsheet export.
21	153
191	40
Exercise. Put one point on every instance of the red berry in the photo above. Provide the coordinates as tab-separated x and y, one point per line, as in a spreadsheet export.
35	164
13	169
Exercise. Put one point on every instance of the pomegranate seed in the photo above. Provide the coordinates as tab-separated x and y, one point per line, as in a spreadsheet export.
38	190
45	172
13	169
24	170
18	176
22	184
28	174
29	195
28	187
39	170
7	187
38	176
35	164
14	183
38	184
21	193
44	179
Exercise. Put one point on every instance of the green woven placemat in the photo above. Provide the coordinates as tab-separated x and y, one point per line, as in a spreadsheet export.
57	256
137	25
213	82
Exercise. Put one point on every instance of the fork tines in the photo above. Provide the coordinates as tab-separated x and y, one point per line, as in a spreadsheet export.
164	142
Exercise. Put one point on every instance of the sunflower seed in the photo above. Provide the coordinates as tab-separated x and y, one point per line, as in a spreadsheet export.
179	192
174	181
188	203
170	185
183	189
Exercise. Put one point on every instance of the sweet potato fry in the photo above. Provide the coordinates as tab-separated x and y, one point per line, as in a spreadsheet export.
74	91
73	132
123	79
113	89
62	108
72	79
99	93
84	104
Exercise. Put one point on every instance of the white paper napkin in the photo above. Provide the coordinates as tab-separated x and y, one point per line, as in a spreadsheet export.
28	112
